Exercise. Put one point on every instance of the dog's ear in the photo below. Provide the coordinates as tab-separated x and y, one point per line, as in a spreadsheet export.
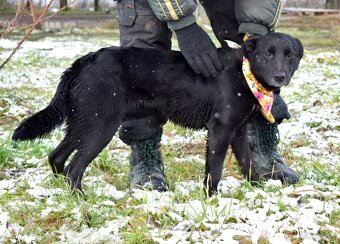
299	48
249	45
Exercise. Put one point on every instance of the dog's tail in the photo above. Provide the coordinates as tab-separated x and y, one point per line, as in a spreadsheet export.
47	119
54	114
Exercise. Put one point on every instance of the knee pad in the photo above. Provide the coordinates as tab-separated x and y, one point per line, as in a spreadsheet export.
138	126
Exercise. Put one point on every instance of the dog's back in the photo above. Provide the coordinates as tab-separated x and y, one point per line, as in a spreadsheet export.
113	80
46	120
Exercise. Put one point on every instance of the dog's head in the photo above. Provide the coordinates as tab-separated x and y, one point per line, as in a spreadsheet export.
273	58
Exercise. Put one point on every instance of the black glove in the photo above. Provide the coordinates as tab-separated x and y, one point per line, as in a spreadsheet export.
199	50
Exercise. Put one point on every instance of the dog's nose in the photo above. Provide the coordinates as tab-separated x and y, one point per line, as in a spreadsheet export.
279	77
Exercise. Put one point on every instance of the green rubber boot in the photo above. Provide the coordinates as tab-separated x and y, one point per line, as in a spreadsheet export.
146	165
263	139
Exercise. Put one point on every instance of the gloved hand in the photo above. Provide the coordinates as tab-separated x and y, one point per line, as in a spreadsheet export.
199	50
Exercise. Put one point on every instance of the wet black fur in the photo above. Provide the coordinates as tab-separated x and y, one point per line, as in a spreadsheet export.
99	88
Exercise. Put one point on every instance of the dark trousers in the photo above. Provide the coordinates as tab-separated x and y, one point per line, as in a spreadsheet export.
139	27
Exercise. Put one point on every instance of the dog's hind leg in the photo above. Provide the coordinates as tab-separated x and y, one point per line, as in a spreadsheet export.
217	145
92	143
59	155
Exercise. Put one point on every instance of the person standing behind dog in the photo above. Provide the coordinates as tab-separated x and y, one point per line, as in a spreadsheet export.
150	24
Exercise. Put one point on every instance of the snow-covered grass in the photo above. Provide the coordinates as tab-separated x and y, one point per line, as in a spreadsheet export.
37	207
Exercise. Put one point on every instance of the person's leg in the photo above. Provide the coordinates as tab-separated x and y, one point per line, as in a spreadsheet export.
262	136
263	139
139	27
142	130
222	18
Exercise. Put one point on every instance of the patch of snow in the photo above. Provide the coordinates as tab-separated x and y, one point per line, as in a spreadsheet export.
229	185
41	192
109	233
273	183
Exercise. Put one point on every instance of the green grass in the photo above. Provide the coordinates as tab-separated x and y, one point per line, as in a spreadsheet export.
328	236
114	172
313	38
282	206
137	231
11	151
314	31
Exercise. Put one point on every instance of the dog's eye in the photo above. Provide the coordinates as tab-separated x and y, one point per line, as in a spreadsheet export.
289	55
268	54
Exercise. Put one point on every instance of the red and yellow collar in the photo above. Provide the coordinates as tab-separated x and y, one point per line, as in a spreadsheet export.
264	97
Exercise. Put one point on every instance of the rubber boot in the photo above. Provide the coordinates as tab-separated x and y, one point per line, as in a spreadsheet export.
146	165
267	163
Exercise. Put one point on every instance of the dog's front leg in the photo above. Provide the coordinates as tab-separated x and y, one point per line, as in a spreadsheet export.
241	149
217	144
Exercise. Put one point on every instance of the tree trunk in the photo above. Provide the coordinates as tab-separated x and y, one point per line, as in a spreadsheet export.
96	5
63	3
3	4
328	3
337	4
333	4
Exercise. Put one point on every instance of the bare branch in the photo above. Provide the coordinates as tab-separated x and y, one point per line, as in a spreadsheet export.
32	11
42	17
15	19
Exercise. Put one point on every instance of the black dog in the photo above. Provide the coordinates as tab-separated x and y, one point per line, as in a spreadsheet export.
94	94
